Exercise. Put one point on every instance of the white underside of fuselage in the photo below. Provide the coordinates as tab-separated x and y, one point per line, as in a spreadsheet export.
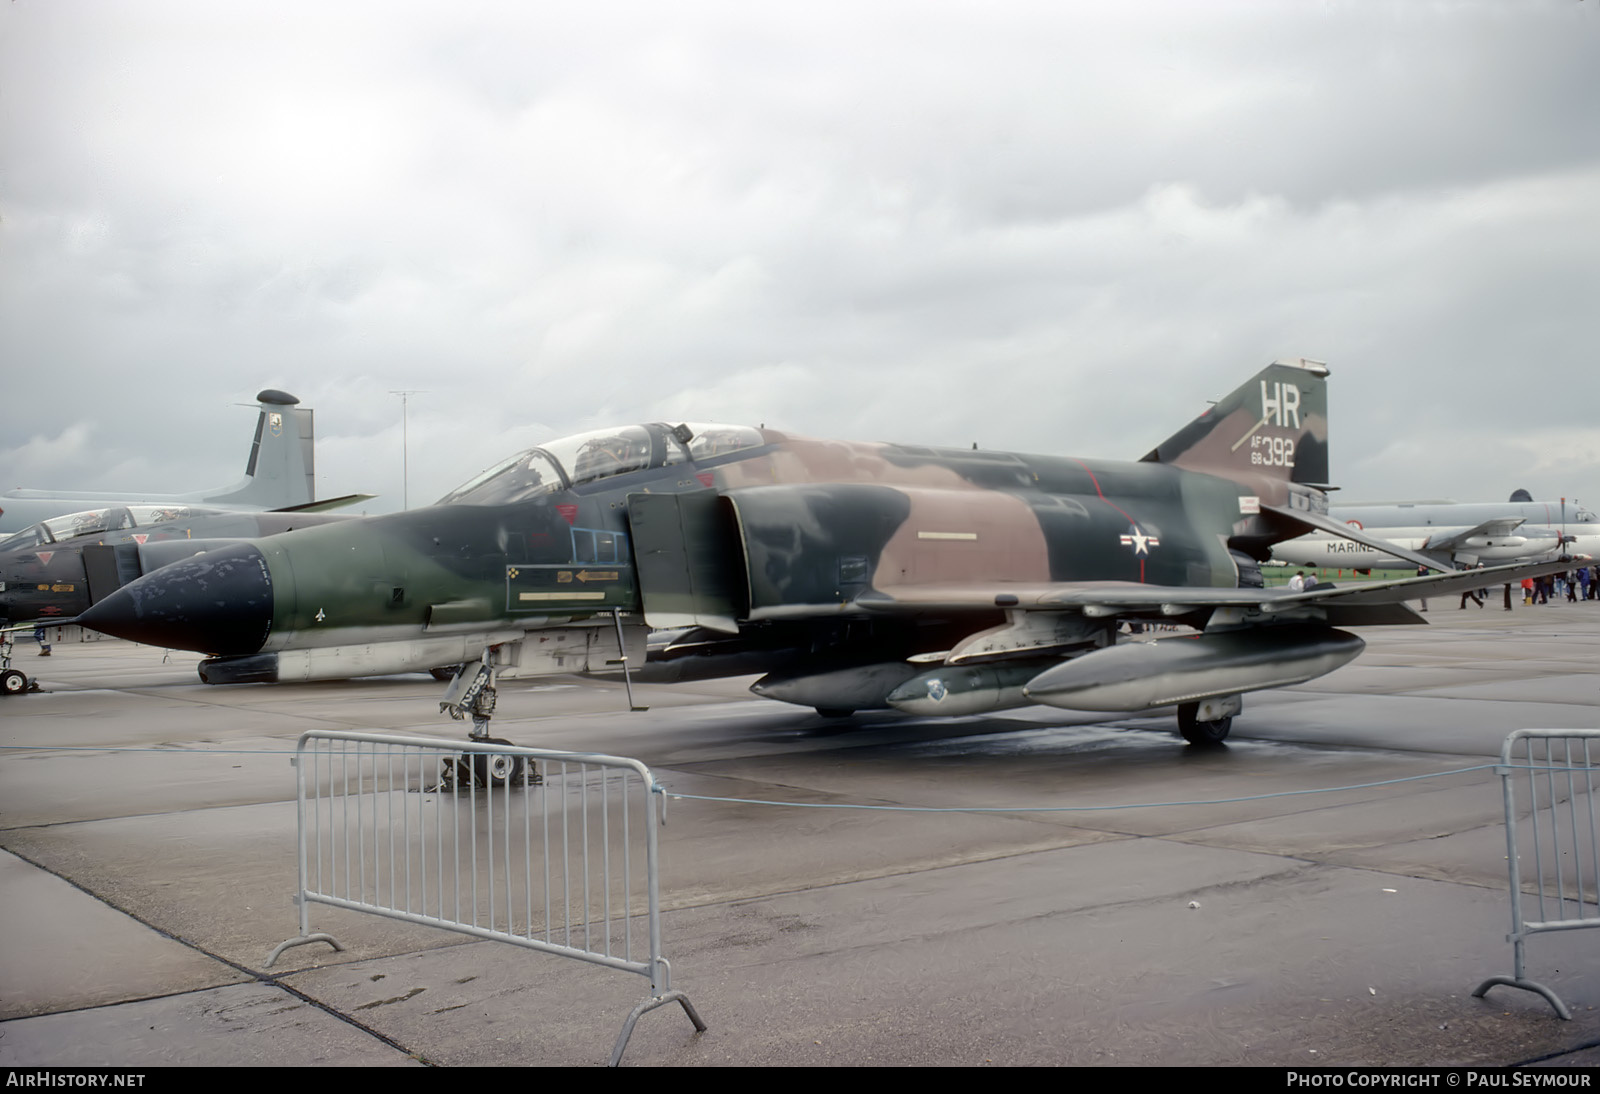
344	652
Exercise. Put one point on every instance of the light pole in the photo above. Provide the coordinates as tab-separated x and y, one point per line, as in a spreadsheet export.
405	446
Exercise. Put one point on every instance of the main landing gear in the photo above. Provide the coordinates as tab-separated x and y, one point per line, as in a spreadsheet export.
12	681
1207	722
472	692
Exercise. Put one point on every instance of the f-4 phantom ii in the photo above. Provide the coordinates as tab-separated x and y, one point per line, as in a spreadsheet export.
1453	533
50	572
856	576
55	569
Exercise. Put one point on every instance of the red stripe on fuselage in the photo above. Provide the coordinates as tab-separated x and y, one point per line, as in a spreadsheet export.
1111	503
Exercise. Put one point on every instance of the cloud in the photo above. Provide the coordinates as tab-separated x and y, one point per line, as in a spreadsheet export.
1059	227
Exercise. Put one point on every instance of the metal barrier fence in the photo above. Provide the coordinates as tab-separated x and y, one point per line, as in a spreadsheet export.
472	837
1556	834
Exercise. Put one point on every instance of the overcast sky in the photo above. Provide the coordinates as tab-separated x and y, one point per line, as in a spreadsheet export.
1054	227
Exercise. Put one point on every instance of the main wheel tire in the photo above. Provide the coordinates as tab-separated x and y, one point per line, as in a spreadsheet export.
444	674
1197	732
13	682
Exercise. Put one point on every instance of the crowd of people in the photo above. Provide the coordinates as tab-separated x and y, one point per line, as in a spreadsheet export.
1582	583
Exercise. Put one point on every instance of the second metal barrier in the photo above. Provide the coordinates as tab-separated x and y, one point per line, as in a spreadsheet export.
1554	833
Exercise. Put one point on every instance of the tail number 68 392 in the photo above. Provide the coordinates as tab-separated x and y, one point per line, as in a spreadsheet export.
1272	451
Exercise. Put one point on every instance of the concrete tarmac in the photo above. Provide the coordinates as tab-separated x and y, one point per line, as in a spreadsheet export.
147	867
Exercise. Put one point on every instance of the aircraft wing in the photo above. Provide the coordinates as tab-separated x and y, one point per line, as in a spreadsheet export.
327	503
1375	602
1503	526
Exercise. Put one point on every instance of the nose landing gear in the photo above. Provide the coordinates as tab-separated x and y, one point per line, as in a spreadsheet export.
471	692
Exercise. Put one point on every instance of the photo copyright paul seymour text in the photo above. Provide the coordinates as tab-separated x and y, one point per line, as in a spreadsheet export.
1439	1079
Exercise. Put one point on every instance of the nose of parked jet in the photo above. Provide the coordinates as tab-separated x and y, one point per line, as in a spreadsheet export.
219	602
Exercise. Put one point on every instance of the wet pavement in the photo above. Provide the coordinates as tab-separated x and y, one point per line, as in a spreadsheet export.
147	867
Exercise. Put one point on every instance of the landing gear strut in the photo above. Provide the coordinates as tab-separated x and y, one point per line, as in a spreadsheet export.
472	692
12	681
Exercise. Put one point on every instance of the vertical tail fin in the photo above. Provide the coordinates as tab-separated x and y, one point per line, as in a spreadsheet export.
281	472
1275	425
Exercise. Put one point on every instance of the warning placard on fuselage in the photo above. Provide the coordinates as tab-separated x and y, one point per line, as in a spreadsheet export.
545	588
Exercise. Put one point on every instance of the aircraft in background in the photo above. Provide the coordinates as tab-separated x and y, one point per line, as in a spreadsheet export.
280	474
1461	534
855	576
55	569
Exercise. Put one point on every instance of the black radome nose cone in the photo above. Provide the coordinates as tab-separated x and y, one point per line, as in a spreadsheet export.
219	602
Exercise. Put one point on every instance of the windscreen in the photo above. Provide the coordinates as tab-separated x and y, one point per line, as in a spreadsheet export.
525	475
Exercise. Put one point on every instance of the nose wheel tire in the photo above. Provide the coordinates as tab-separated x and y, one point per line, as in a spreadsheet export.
496	769
493	770
1201	733
13	682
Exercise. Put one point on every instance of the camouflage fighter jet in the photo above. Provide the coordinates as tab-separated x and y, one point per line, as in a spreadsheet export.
854	575
58	567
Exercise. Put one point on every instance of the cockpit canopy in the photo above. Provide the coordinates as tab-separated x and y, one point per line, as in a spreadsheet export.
586	457
94	521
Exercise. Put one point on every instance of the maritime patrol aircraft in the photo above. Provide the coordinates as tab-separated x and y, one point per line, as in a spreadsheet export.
1462	534
279	474
853	575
